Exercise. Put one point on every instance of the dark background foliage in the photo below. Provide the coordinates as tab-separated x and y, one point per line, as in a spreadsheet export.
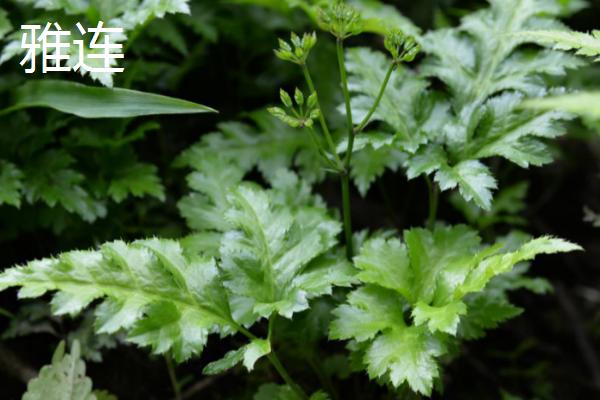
549	352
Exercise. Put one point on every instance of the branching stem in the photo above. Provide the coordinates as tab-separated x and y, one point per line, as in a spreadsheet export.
375	105
326	133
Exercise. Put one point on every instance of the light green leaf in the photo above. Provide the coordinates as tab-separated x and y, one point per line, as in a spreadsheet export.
205	207
163	298
487	74
64	379
473	179
248	355
584	44
435	277
98	102
586	104
268	253
442	319
405	355
270	147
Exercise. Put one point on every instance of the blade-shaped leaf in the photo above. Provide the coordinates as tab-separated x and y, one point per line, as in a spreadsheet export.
98	102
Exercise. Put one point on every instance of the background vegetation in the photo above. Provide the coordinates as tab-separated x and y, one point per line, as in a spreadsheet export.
91	181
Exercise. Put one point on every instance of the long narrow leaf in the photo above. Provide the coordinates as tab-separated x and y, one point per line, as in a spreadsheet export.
585	104
98	102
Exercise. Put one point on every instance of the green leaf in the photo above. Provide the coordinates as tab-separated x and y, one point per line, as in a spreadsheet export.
436	275
273	256
5	25
586	104
11	184
165	299
205	207
270	147
137	179
63	379
584	44
248	355
267	258
405	355
97	102
473	179
442	319
411	115
50	178
487	74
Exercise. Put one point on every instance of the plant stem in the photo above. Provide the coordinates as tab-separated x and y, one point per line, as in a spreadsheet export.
375	105
433	202
279	366
173	377
345	175
345	179
326	133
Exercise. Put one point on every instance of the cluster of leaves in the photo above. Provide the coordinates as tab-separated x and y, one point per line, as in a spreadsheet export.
487	75
71	166
261	254
420	295
128	15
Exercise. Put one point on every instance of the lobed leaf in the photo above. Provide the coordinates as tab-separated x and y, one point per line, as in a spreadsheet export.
437	275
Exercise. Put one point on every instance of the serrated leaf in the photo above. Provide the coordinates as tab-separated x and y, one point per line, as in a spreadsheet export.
11	184
265	258
270	147
64	379
205	207
487	75
51	179
436	275
473	179
584	44
137	179
439	319
247	355
150	288
405	355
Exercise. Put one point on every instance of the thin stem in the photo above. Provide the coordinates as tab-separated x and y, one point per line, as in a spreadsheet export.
328	138
433	202
285	376
345	178
348	159
279	366
173	377
320	149
375	105
349	123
